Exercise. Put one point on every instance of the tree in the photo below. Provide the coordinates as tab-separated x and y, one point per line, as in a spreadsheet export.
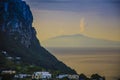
7	76
83	77
97	77
2	61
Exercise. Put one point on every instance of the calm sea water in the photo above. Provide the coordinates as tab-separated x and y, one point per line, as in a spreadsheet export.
105	62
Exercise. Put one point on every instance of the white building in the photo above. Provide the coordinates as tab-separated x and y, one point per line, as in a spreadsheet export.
76	77
4	52
21	76
41	75
8	72
62	76
10	58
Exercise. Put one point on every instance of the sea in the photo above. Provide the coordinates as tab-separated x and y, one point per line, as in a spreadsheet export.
103	61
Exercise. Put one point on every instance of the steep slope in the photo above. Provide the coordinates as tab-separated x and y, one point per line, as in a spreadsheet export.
79	40
18	37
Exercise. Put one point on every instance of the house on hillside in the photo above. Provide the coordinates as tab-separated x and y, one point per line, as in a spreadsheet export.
71	77
4	53
74	76
21	76
62	76
10	58
41	75
8	72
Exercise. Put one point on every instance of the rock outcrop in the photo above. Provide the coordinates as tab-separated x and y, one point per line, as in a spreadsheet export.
16	18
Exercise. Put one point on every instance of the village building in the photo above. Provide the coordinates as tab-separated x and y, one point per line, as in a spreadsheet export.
41	75
8	72
10	58
62	76
74	76
21	76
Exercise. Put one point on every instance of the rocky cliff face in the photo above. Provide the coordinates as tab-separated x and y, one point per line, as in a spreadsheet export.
16	18
18	37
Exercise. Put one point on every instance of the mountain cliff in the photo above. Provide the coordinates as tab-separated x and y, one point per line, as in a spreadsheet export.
18	37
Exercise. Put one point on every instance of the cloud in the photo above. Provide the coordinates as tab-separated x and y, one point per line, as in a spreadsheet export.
82	25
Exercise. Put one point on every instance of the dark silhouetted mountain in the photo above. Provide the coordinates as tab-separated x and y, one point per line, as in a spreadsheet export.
18	37
81	41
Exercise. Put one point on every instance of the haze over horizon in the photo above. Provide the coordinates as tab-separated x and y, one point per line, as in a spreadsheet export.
94	18
79	41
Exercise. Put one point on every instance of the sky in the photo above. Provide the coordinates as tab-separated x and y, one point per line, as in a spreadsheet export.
94	18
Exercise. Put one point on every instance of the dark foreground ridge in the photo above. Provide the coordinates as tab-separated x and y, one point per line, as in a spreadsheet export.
18	37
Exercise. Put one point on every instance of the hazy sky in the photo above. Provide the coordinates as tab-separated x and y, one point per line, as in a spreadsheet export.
94	18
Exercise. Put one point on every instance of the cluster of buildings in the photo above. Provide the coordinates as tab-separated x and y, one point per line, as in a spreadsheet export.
41	75
47	75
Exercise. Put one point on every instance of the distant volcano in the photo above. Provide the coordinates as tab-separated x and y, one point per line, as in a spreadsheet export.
79	40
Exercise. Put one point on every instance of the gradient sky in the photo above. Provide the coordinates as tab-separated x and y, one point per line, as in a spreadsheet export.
94	18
